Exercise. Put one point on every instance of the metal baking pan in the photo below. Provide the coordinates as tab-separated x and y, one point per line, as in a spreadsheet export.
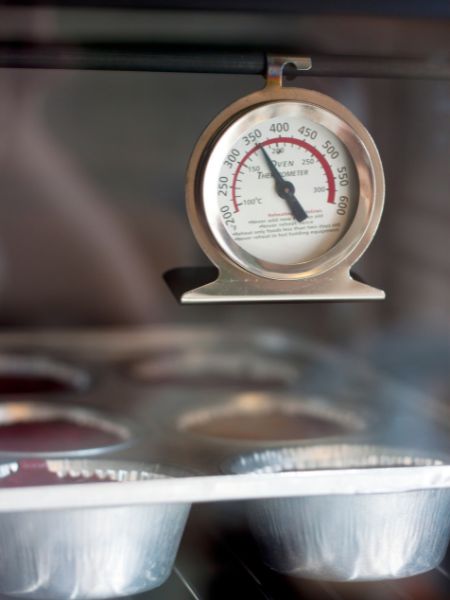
354	513
179	412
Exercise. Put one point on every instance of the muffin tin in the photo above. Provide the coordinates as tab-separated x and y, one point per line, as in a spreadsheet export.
316	489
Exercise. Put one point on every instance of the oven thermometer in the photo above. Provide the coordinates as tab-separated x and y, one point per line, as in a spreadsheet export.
285	190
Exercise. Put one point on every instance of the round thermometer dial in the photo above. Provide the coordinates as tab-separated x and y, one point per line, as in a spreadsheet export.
287	187
287	190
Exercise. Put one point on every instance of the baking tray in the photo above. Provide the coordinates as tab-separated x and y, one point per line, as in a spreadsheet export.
153	378
302	372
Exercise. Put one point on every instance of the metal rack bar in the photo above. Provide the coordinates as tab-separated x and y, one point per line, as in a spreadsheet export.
192	59
393	8
192	593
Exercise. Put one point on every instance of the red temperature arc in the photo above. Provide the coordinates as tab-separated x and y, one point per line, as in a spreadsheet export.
288	140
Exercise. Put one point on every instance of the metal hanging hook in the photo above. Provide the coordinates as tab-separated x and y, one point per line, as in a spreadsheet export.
276	65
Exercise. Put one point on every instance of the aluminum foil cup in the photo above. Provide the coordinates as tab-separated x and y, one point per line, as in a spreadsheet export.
349	537
29	374
91	552
45	429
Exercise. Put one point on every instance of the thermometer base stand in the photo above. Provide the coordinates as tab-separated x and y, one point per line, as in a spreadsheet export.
332	286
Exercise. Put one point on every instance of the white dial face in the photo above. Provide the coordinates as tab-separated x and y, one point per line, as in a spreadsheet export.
285	187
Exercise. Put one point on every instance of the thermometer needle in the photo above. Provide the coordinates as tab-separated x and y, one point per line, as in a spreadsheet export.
285	189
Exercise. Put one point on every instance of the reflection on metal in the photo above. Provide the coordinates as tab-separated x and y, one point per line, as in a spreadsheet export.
243	277
43	374
277	64
419	478
116	551
340	286
428	474
370	536
120	434
255	418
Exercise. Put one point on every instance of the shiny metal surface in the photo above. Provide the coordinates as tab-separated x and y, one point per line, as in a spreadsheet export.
191	419
132	344
243	278
34	411
101	552
277	63
248	486
229	366
22	364
338	537
231	288
346	380
206	426
236	356
211	375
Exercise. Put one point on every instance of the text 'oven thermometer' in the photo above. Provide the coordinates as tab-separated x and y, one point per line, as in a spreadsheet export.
285	190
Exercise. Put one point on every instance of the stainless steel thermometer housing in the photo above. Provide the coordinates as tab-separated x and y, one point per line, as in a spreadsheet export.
246	271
